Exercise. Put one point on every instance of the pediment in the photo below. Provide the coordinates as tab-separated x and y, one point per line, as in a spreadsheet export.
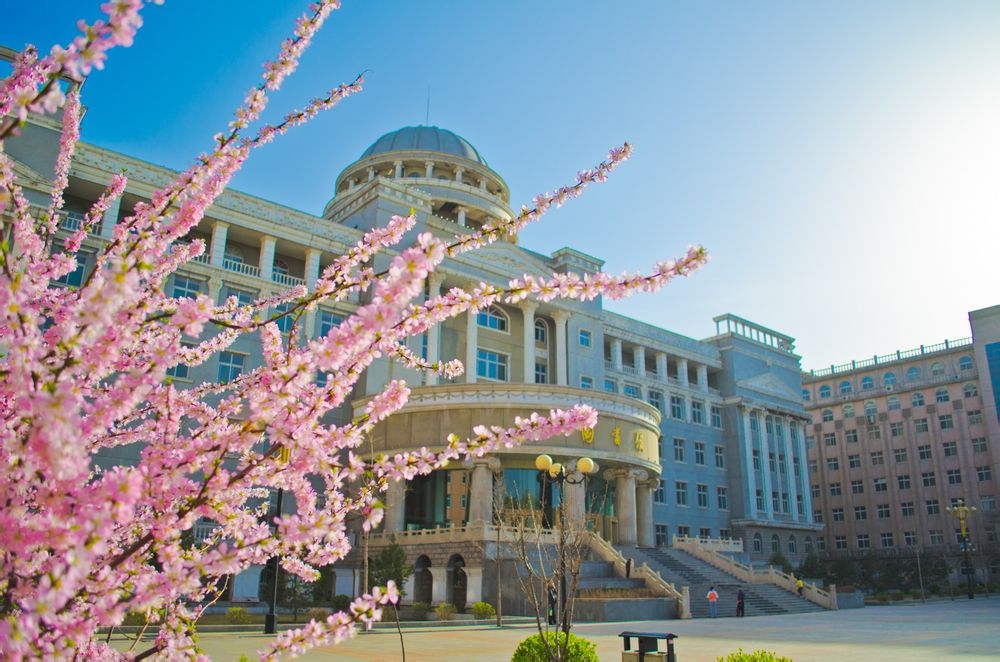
510	261
766	383
30	178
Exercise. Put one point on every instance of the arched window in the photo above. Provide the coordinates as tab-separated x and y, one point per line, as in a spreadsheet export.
964	363
827	415
541	332
792	546
824	391
941	395
758	543
970	390
867	383
492	318
937	369
870	408
775	544
893	403
917	399
848	411
913	374
845	387
805	394
889	379
808	545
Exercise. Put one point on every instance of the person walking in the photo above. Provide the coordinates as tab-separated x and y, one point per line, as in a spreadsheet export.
740	598
799	586
713	599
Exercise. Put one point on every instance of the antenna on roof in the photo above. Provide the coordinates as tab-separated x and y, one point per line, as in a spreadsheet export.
427	113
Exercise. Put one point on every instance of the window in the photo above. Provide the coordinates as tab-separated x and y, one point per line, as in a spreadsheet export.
756	460
984	474
970	391
874	432
661	535
853	461
684	531
907	509
886	539
979	445
867	383
881	485
877	458
845	387
722	497
928	479
758	544
913	374
184	287
917	399
860	513
720	457
832	464
883	511
988	504
781	464
889	379
677	407
681	493
699	453
924	452
937	537
716	413
698	412
541	332
824	391
179	371
900	454
827	415
818	516
910	538
964	363
660	495
920	425
231	366
792	545
975	417
893	403
895	429
327	321
284	318
904	481
937	369
243	297
851	436
830	438
775	544
586	382
946	421
848	411
542	375
954	476
610	385
840	542
632	391
655	398
870	410
864	542
950	448
933	507
702	493
813	466
805	395
585	338
772	467
74	278
678	450
941	395
492	318
834	489
704	533
857	487
491	365
814	491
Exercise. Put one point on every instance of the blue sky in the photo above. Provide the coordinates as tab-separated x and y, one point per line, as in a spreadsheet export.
840	160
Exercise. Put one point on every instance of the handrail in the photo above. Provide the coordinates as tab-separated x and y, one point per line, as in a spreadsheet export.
604	550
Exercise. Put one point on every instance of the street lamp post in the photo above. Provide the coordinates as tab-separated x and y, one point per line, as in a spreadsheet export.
271	618
553	473
963	512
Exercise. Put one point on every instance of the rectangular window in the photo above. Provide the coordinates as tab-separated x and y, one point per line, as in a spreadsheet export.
886	539
910	538
722	497
760	501
702	493
840	542
704	533
954	476
677	407
864	542
946	421
854	461
834	489
928	479
231	366
920	425
818	516
699	453
933	507
830	438
661	535
610	385
814	491
895	429
283	317
988	504
975	417
720	457
684	531
243	297
813	466
756	460
491	365
541	373
678	450
586	382
900	454
655	398
924	452
781	464
950	448
725	534
937	537
770	463
660	495
632	391
883	511
681	492
716	417
186	288
860	513
832	464
979	445
874	432
984	474
837	514
904	481
698	412
877	458
585	338
328	321
851	436
881	485
857	487
907	509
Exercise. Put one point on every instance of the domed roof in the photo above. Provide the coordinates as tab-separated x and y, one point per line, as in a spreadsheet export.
425	138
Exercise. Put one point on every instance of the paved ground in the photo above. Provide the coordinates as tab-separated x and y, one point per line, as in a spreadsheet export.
964	631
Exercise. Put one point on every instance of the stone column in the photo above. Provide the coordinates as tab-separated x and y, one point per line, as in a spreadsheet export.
765	466
266	263
800	442
462	211
371	173
528	340
576	500
481	489
748	469
399	169
616	354
646	530
439	586
434	332
661	367
703	378
110	218
793	490
217	250
482	183
430	169
471	345
395	507
312	266
458	174
560	317
682	371
625	505
639	360
473	584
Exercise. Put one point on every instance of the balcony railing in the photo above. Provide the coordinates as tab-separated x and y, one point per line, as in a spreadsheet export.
286	280
241	268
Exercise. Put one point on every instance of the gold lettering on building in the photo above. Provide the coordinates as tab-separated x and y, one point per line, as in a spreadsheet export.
616	435
639	446
588	435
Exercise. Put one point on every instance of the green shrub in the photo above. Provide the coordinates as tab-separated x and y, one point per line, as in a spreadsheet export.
756	656
533	648
445	611
895	596
419	609
238	616
483	610
341	602
317	614
134	618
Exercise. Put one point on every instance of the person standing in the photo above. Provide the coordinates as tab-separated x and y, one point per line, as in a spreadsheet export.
799	586
553	597
713	599
740	597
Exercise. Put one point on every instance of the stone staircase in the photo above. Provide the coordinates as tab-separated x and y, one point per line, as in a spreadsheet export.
598	575
684	570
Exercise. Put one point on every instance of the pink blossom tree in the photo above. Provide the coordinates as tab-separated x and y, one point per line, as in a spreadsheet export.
84	370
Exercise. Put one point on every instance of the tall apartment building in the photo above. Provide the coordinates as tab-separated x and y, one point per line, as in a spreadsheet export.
696	437
896	440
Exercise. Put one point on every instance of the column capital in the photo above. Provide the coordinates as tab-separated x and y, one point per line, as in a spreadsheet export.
561	315
528	305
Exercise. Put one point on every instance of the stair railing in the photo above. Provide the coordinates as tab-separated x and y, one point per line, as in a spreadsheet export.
602	549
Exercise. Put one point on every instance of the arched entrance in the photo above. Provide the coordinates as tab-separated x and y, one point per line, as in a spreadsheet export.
458	582
423	581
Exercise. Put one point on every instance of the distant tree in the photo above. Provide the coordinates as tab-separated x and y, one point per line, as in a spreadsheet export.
390	565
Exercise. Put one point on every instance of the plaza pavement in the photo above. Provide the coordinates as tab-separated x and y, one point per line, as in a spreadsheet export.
960	630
